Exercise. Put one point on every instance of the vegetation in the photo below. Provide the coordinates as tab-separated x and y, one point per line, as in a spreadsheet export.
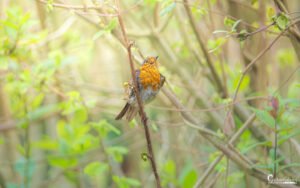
227	116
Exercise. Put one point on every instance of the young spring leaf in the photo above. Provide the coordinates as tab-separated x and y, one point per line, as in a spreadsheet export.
95	169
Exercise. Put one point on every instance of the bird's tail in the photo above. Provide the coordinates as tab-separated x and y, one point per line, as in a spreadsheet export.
123	112
131	113
129	110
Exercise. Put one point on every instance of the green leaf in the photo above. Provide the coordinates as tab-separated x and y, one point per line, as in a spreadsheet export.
264	117
111	25
287	137
154	127
281	20
1	140
252	146
62	162
124	182
103	128
234	26
61	129
270	12
229	22
188	176
242	35
169	173
46	144
282	167
49	5
170	168
37	100
214	45
189	179
245	82
84	143
42	111
80	116
199	12
95	169
73	95
220	31
117	152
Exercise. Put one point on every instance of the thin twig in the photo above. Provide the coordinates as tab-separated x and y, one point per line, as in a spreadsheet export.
143	115
248	168
286	80
253	62
275	150
263	52
260	29
77	7
203	48
230	142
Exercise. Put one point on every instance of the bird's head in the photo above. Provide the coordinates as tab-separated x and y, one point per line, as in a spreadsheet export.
152	61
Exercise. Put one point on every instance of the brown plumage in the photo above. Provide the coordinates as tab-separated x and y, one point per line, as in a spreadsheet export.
130	112
149	83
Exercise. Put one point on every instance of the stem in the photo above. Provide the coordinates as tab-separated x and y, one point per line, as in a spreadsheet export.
143	115
263	52
27	148
2	181
203	48
232	140
275	151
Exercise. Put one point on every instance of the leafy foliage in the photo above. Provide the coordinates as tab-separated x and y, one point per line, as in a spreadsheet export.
61	81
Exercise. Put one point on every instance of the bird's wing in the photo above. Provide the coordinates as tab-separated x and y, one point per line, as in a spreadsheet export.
137	75
162	80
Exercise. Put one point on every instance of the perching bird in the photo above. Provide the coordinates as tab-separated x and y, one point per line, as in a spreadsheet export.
149	83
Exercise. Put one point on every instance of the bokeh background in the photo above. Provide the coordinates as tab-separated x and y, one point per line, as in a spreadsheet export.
228	64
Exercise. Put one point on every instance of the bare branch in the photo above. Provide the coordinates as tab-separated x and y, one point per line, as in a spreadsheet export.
143	115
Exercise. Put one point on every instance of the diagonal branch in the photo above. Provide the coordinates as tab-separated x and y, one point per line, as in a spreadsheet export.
203	48
139	101
231	141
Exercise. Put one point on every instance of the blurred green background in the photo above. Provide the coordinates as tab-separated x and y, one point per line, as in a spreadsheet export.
63	64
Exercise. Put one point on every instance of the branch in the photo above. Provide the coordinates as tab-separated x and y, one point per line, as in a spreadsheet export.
293	31
253	62
143	115
190	120
203	48
77	7
242	163
257	58
219	146
231	141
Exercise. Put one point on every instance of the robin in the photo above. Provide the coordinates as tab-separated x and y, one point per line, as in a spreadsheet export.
149	83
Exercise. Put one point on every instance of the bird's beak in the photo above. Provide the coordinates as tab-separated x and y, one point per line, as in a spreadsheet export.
156	57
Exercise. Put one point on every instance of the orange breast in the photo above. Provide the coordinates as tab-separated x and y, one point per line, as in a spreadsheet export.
150	76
